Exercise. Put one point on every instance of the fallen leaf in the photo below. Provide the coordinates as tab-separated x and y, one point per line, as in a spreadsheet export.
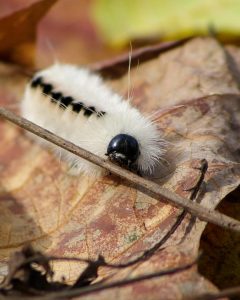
66	33
18	33
69	34
164	20
66	216
118	66
189	72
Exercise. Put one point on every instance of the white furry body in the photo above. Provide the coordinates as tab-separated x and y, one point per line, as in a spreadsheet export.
93	132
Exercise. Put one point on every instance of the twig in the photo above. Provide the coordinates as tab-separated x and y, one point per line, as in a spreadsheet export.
151	188
195	189
230	292
41	258
193	195
159	244
99	286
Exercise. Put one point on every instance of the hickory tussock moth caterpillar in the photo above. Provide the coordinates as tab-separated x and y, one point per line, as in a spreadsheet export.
75	104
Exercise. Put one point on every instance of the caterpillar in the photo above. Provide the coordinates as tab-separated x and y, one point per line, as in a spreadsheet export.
75	104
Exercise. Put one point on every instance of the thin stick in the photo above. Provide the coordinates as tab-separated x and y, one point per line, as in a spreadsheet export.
195	189
230	292
148	187
99	286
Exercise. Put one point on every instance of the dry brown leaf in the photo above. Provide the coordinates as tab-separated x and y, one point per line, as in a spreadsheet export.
118	66
18	33
195	70
82	217
67	33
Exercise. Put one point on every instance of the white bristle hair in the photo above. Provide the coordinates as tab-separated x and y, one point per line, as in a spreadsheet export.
93	132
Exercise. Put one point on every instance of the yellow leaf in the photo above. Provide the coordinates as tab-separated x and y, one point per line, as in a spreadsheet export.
121	21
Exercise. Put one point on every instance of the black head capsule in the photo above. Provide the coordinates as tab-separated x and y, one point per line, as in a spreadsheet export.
123	149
